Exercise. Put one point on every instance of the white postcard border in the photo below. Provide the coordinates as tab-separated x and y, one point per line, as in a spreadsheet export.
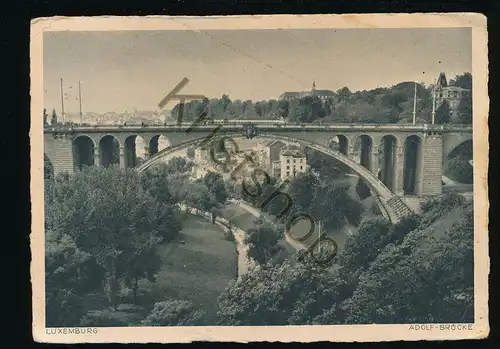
340	333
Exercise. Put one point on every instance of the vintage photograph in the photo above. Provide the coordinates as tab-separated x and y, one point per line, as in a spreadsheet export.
259	177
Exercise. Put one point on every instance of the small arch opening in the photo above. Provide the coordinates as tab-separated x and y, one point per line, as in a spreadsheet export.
84	152
109	151
363	147
412	183
339	143
134	149
387	172
157	143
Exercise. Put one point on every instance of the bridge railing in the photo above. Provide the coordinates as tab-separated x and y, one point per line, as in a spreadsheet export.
263	125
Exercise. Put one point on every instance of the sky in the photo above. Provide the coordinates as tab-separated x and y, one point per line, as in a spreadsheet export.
127	70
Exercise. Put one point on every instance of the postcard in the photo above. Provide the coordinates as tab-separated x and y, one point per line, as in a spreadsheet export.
289	178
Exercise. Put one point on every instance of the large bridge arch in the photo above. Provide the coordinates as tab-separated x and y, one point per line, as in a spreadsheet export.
452	140
383	194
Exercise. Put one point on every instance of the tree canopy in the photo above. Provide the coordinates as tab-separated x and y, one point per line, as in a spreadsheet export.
417	271
380	105
103	226
262	240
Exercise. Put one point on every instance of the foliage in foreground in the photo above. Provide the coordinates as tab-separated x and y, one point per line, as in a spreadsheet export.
102	226
420	270
174	313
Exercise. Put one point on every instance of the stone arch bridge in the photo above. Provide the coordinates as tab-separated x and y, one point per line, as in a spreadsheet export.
400	163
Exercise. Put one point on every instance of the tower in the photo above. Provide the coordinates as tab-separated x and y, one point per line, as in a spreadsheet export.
314	87
441	81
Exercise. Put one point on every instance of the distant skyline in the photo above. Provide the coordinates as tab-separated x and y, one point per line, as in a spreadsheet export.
128	70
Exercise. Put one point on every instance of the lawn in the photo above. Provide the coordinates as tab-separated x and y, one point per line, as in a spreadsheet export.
198	270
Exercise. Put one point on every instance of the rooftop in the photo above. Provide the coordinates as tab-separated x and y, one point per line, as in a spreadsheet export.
293	152
455	88
270	142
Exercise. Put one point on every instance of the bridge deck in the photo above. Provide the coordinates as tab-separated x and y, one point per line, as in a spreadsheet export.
235	126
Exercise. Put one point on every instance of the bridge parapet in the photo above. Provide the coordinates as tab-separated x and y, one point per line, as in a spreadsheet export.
238	126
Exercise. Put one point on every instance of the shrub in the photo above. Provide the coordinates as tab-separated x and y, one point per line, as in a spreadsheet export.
460	170
174	313
104	318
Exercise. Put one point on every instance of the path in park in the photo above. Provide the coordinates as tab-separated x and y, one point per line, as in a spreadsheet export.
244	262
466	190
346	230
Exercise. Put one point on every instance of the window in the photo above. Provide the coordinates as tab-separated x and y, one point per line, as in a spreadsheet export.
301	167
287	161
288	173
294	161
288	167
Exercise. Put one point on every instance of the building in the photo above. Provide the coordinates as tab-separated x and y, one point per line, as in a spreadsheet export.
321	94
276	169
268	152
292	161
200	155
451	94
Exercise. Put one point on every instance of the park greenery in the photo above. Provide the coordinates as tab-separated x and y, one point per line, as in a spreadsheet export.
381	105
417	271
109	231
103	227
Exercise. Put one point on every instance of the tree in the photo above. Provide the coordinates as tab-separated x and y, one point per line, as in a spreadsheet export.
110	216
324	165
364	246
362	189
199	197
53	119
104	318
300	190
283	110
68	276
428	278
216	186
174	313
262	240
443	113
465	110
459	169
464	81
436	207
45	116
332	205
225	101
344	93
178	164
278	295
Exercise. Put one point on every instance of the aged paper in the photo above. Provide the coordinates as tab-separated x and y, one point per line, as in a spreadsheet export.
176	163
